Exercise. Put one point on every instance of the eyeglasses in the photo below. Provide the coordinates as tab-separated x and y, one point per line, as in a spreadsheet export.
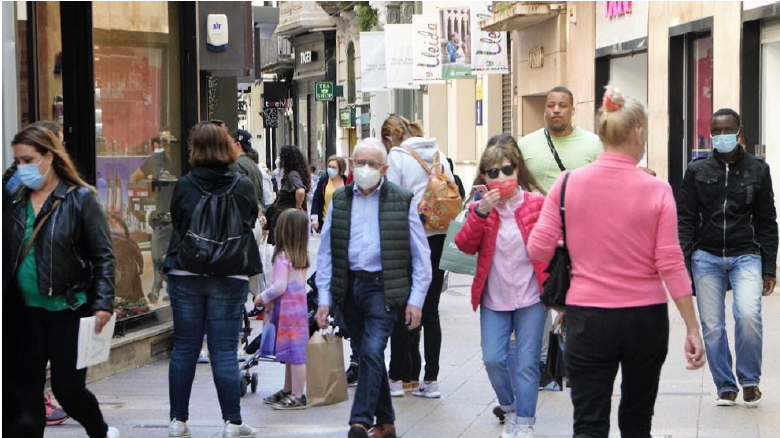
371	164
507	170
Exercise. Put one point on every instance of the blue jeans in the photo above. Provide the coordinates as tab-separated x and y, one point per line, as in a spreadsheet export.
710	273
210	305
370	323
496	327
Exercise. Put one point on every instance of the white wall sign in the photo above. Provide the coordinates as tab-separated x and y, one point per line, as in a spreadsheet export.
373	68
399	57
427	50
488	49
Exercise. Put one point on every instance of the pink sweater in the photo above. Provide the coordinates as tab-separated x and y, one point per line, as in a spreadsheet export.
621	226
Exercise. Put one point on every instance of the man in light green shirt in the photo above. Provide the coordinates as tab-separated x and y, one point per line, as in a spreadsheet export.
576	147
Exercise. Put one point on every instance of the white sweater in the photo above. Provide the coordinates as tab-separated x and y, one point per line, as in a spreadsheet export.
405	171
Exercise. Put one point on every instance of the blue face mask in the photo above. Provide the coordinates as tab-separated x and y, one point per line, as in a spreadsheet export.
30	175
332	173
724	143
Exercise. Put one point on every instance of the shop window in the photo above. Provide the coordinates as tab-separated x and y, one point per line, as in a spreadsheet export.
700	81
138	142
690	96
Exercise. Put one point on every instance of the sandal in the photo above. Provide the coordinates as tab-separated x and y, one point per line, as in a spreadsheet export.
291	402
276	398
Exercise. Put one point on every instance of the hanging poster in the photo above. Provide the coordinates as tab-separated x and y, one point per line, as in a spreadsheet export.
455	38
398	56
488	49
372	62
427	50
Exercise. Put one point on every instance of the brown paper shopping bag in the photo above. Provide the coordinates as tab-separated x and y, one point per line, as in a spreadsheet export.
326	380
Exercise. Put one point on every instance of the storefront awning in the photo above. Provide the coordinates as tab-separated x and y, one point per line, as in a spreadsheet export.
518	15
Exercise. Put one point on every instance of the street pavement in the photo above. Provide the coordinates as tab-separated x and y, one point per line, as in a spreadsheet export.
136	401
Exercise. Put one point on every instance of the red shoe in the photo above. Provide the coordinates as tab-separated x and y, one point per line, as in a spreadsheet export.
54	414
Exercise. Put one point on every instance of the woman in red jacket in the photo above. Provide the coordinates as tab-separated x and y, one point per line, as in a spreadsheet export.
507	284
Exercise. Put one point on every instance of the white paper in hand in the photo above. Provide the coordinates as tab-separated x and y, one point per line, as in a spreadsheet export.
93	347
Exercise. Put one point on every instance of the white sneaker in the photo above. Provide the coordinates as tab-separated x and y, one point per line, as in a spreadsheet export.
204	356
238	431
113	433
178	429
524	431
510	426
396	388
427	390
240	355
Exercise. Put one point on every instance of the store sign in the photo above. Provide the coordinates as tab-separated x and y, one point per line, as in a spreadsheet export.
347	118
479	113
323	91
308	57
536	57
617	9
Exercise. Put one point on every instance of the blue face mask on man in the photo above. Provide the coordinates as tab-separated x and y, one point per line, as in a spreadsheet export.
30	175
724	143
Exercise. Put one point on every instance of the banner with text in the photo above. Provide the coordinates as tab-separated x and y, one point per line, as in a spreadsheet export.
427	50
373	70
455	39
489	49
398	56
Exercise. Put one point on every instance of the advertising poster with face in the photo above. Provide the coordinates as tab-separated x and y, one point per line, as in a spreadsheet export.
455	38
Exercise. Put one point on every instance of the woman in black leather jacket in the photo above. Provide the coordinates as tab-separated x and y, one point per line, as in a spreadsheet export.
66	274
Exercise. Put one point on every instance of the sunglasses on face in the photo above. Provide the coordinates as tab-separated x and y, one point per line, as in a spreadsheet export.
507	170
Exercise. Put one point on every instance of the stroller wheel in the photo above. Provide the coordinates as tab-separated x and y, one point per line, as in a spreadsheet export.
243	386
254	383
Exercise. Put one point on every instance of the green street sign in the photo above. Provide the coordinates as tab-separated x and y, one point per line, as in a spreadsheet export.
323	91
347	118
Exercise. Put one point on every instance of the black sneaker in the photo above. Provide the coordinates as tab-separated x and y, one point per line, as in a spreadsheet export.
352	374
728	398
751	395
276	397
500	414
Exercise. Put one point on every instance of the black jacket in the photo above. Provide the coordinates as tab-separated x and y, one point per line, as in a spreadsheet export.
214	179
743	223
318	201
72	249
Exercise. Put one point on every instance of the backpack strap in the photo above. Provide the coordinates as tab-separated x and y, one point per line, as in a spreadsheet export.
436	161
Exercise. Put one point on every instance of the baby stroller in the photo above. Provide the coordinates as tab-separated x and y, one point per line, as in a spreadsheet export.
249	379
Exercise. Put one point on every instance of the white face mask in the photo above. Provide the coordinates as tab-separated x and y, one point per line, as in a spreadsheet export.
366	177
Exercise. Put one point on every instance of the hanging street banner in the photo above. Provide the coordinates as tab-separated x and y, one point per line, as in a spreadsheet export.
488	49
427	50
398	56
455	37
372	62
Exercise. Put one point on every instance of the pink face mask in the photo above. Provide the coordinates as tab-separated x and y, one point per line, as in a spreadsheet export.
506	186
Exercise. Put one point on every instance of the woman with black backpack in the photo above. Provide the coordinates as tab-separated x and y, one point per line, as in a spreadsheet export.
210	258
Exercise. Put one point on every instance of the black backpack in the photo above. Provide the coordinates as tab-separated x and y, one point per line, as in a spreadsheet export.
214	243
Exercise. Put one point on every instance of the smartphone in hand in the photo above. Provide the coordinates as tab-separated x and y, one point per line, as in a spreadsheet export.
481	189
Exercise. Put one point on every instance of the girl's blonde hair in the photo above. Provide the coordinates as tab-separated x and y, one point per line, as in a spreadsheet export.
45	141
618	116
506	147
292	237
399	128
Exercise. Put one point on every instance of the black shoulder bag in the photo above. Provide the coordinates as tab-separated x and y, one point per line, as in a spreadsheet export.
557	284
552	149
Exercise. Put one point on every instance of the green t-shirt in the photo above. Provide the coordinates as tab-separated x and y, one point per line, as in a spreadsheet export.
575	150
27	276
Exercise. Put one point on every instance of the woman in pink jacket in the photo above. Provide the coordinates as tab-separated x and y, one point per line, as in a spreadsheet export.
621	230
507	284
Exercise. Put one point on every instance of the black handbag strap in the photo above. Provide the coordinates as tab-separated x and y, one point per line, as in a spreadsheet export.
553	150
563	209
